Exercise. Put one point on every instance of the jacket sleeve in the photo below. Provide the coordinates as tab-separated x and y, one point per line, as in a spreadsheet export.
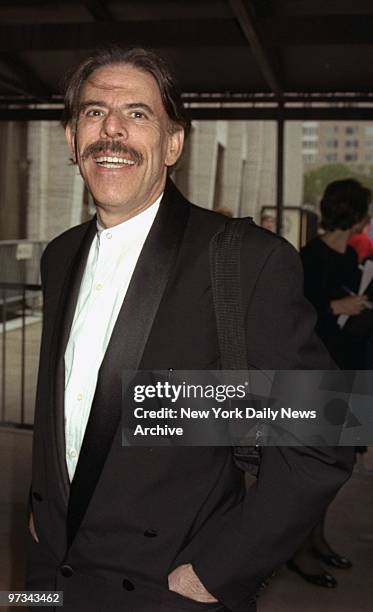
295	484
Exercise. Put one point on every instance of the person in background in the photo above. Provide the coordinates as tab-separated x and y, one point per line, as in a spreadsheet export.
332	274
268	221
331	281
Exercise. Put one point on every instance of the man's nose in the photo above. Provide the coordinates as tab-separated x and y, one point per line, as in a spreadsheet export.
114	126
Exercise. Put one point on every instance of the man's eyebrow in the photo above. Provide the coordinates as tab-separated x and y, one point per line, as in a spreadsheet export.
84	105
141	105
102	104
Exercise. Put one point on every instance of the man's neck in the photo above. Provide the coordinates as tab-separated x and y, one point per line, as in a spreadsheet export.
110	218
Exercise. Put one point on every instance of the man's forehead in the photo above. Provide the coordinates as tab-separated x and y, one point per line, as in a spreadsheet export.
122	79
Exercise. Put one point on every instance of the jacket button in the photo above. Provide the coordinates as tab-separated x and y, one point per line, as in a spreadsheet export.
66	570
37	496
150	533
128	585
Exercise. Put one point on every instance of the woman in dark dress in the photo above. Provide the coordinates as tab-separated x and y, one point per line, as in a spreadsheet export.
331	281
332	275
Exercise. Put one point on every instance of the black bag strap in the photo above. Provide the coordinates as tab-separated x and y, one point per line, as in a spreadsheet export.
225	262
225	269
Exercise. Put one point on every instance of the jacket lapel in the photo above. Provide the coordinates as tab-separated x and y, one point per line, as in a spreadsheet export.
73	283
69	296
126	347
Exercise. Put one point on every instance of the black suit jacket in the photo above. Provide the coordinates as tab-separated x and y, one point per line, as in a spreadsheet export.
131	515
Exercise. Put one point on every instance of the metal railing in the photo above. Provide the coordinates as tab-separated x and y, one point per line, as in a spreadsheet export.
20	307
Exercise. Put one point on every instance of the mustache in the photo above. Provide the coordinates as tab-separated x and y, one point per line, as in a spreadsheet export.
112	146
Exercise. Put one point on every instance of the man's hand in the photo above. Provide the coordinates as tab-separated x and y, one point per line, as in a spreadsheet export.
31	526
184	581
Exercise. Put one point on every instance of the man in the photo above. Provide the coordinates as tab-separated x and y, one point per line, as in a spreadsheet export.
155	529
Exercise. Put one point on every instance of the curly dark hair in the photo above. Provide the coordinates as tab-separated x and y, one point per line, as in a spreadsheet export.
144	60
344	204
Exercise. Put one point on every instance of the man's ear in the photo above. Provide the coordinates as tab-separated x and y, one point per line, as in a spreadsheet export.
71	141
175	146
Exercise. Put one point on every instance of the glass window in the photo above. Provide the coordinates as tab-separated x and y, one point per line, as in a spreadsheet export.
351	129
309	158
309	131
309	144
329	130
352	144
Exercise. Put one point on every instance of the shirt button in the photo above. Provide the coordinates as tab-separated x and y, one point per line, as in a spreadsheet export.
109	236
79	397
98	287
72	453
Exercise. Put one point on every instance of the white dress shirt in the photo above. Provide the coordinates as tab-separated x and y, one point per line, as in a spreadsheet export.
111	261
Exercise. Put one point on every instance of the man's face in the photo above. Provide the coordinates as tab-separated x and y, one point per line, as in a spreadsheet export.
123	141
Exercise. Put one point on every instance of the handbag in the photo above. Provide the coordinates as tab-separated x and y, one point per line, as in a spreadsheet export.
225	270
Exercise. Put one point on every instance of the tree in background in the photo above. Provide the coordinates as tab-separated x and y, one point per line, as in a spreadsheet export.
316	180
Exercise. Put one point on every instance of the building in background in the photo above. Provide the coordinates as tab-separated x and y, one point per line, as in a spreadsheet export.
333	151
55	188
41	192
232	164
13	180
226	164
349	143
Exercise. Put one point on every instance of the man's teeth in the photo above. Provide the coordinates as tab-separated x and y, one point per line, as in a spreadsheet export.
106	159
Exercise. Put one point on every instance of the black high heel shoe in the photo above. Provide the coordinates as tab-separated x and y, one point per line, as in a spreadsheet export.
324	580
333	560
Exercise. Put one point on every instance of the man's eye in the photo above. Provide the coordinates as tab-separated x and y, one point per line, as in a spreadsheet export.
93	112
138	115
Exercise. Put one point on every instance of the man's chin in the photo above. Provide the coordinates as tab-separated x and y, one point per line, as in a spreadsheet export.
112	204
110	198
113	209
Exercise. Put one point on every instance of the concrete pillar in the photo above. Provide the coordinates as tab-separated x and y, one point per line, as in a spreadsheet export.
260	177
196	174
13	180
235	156
55	186
293	184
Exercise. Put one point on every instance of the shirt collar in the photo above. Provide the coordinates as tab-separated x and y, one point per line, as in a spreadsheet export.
137	225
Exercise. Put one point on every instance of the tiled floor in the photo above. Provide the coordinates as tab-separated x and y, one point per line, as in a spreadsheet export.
350	516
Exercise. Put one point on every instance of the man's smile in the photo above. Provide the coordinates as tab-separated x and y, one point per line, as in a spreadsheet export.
108	161
112	154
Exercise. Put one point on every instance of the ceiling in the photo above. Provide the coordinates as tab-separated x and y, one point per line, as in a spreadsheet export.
223	51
